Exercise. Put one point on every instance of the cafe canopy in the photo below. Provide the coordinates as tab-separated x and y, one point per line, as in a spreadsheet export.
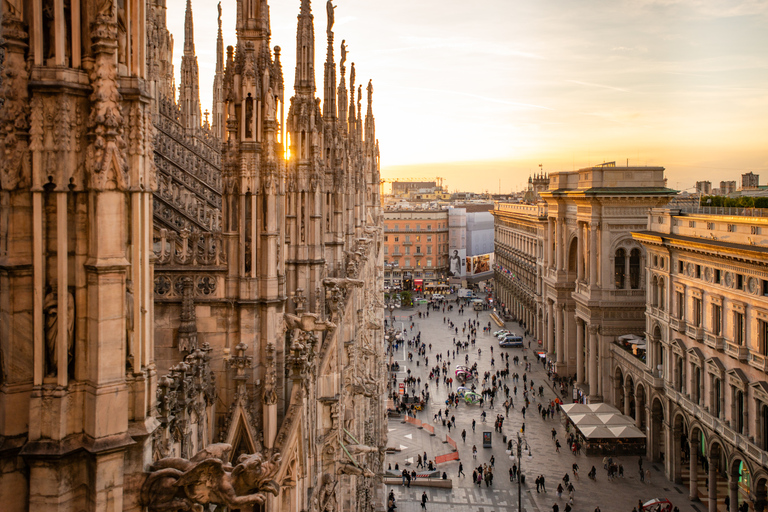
601	421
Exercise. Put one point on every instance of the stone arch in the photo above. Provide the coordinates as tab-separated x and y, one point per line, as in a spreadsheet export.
657	446
630	407
573	251
619	398
620	268
698	444
717	464
641	398
740	473
759	489
680	447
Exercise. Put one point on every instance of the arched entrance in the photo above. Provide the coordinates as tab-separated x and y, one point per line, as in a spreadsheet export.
739	477
697	451
640	421
680	448
656	440
618	389
760	492
630	409
716	479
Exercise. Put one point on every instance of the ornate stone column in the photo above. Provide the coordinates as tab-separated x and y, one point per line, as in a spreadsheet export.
733	490
550	329
693	486
580	253
550	238
593	384
712	483
560	334
580	351
593	254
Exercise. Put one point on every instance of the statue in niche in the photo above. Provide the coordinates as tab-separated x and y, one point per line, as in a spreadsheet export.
326	501
51	312
49	30
270	104
249	117
122	33
129	363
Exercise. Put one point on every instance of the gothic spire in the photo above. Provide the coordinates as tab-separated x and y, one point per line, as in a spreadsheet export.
329	81
218	85
189	90
189	31
304	84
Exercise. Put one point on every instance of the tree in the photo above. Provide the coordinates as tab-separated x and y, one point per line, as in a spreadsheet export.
406	299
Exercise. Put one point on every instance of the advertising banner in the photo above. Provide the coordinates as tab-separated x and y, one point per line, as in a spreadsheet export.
457	263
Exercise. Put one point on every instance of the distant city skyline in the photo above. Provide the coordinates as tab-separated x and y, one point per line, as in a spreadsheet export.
483	94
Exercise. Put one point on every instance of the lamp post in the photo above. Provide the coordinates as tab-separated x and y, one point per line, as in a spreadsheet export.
518	447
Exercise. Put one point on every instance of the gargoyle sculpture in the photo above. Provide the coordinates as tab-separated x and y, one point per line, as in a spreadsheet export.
180	484
347	468
356	449
308	322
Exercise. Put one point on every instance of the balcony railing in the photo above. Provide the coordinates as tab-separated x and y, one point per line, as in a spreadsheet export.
713	340
693	332
759	361
677	324
736	351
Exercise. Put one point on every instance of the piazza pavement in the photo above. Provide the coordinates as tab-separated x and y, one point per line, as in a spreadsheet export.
616	495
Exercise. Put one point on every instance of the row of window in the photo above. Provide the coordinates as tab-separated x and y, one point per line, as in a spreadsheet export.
417	238
407	249
711	226
417	227
728	279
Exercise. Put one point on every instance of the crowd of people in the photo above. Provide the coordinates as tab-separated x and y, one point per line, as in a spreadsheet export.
509	380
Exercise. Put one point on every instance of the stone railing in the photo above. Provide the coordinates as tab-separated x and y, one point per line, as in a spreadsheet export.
533	210
190	249
702	414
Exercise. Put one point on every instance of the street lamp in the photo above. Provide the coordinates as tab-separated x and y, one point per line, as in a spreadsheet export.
513	446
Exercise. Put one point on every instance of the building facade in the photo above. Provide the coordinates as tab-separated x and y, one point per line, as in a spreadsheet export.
519	231
415	248
702	391
222	302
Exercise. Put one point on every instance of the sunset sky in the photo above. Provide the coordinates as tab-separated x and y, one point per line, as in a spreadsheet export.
481	93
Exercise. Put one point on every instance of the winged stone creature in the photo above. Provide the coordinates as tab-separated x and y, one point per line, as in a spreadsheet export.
180	484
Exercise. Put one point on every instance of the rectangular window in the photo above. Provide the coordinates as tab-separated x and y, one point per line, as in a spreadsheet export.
407	249
418	249
407	262
710	226
691	223
717	276
698	271
397	239
680	306
429	249
717	319
755	230
765	290
680	267
407	238
739	281
429	238
429	227
697	312
429	262
731	228
407	227
738	328
418	238
386	238
763	333
386	249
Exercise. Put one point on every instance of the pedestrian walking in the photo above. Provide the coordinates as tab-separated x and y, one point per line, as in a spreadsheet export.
424	500
474	451
473	425
464	435
461	469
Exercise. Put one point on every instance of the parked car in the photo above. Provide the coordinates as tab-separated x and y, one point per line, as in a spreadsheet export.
511	341
499	333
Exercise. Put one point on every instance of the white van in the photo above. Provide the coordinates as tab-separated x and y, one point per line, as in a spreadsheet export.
437	297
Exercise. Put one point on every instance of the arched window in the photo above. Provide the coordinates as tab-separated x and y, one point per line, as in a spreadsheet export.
634	269
619	269
662	293
654	292
717	395
738	420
